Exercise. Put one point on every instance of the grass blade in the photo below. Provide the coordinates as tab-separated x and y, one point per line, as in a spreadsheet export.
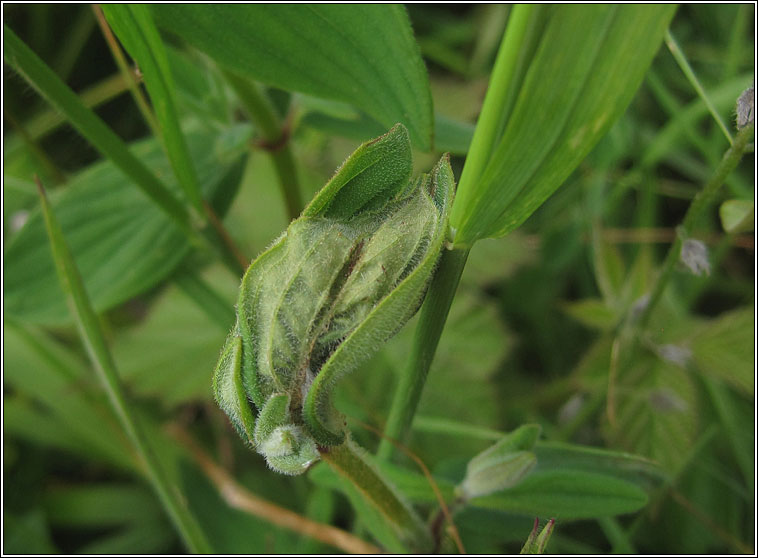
21	58
583	76
134	27
97	349
676	51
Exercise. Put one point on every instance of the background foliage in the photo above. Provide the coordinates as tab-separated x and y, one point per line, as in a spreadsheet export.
529	338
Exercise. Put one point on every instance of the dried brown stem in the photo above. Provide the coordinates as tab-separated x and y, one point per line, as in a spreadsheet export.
238	497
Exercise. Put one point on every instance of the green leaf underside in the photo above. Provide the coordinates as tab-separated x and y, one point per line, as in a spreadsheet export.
574	90
329	292
303	48
105	218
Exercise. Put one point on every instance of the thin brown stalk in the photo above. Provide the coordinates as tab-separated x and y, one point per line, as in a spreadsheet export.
425	470
238	497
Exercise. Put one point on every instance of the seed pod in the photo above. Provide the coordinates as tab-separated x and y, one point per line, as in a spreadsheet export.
341	280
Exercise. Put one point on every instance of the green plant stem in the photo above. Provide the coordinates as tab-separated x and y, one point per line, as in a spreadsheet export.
126	71
35	149
442	290
275	135
102	360
676	51
102	92
348	462
426	337
702	201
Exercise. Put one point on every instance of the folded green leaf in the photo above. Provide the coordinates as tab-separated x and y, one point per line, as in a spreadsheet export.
587	68
502	465
364	55
343	278
536	543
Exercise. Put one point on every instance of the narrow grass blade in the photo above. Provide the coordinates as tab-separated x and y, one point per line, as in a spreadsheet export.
681	59
97	349
21	58
134	27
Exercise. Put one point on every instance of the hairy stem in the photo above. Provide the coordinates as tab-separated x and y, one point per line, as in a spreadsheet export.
348	461
276	138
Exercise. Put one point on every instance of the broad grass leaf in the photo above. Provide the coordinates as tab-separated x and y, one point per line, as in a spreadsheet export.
625	466
588	66
364	55
123	244
200	88
568	494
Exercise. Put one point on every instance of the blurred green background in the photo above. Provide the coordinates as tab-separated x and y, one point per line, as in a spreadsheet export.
528	339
